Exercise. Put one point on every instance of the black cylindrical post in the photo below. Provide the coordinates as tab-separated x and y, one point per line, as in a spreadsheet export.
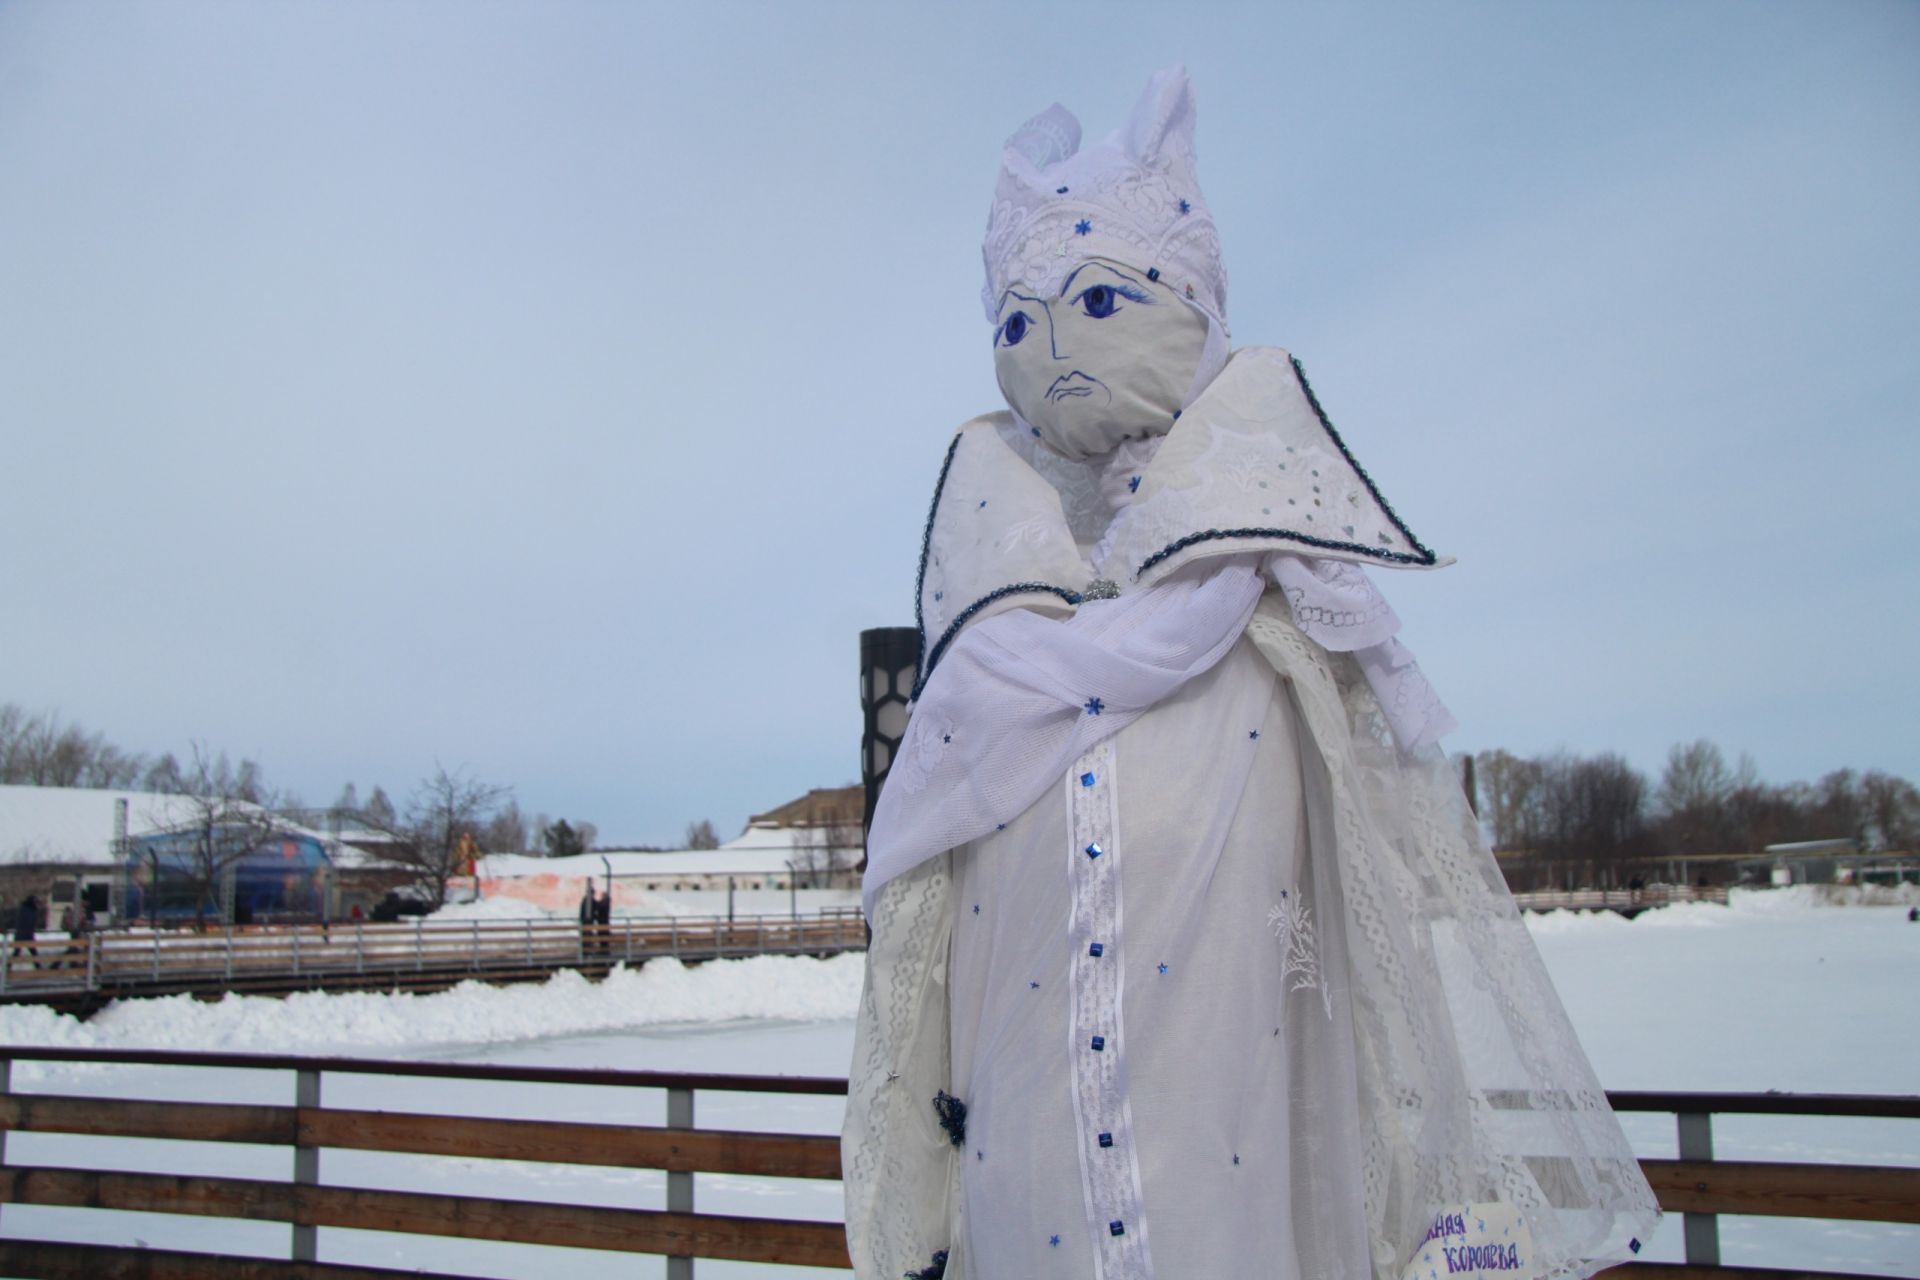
889	661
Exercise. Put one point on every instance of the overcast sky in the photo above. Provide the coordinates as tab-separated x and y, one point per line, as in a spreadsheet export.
558	389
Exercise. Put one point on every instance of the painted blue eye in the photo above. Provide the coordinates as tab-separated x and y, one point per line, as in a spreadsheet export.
1013	329
1098	301
1101	300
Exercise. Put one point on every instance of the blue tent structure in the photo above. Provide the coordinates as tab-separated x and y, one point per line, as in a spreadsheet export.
284	874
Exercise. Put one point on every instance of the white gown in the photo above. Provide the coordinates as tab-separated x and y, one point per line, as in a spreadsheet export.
1353	1040
1177	1128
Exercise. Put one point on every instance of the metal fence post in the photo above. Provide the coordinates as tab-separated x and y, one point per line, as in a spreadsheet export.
306	1162
93	962
679	1185
156	955
1701	1230
476	944
419	955
529	942
229	952
359	947
296	948
676	937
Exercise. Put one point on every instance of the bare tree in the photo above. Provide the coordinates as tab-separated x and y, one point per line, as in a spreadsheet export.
701	835
39	750
443	808
380	812
216	821
821	854
1893	810
1693	799
1507	785
506	832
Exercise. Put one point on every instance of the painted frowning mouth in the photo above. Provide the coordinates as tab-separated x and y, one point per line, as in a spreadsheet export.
1074	385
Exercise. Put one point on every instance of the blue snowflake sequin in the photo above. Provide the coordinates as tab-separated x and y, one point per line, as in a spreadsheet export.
1095	706
1082	227
1054	1241
1185	207
1236	1157
1163	968
1253	735
1034	986
1133	485
976	908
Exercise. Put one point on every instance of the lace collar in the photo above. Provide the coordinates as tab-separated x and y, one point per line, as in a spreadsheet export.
1253	465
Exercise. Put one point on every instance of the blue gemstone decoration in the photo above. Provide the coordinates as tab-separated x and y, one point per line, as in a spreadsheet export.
1634	1244
983	502
1054	1241
1095	706
1059	191
1096	950
980	1155
1099	1043
1035	430
947	738
976	908
1163	968
938	596
1153	273
1034	985
1094	850
1185	207
1133	485
1236	1157
1000	826
1116	1227
1176	415
1081	227
1086	779
1106	1139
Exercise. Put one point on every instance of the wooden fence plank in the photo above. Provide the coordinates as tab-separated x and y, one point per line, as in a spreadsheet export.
122	1117
772	1155
697	1235
1786	1190
47	1260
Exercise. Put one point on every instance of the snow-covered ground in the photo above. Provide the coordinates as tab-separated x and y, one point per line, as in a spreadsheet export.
1774	991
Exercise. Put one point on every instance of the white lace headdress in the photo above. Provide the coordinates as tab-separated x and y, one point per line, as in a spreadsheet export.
1133	197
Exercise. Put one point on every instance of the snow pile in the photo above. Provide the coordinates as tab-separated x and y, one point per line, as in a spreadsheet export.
1794	898
772	988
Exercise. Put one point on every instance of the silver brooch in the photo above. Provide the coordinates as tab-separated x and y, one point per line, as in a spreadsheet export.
1101	589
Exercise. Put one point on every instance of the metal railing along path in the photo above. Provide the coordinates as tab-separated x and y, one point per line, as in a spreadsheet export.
280	958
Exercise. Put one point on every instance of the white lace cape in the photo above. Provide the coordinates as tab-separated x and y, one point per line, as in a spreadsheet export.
1252	465
1447	1037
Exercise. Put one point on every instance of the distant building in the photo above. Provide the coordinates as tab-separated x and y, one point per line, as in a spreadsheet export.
126	853
810	843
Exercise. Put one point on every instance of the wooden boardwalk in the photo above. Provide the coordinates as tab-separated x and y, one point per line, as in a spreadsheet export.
417	955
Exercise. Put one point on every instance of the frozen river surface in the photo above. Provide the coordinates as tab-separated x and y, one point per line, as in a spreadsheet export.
1772	993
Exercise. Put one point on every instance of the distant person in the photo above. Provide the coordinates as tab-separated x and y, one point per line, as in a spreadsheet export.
73	924
26	926
603	920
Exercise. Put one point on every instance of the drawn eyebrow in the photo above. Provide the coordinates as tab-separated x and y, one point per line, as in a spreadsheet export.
1083	266
1015	293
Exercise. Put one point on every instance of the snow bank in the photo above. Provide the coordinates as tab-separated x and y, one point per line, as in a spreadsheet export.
773	988
1742	904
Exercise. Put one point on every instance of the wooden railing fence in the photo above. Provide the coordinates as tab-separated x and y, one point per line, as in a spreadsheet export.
1695	1185
413	953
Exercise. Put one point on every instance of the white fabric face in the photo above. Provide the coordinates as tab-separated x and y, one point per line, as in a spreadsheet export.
1111	357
